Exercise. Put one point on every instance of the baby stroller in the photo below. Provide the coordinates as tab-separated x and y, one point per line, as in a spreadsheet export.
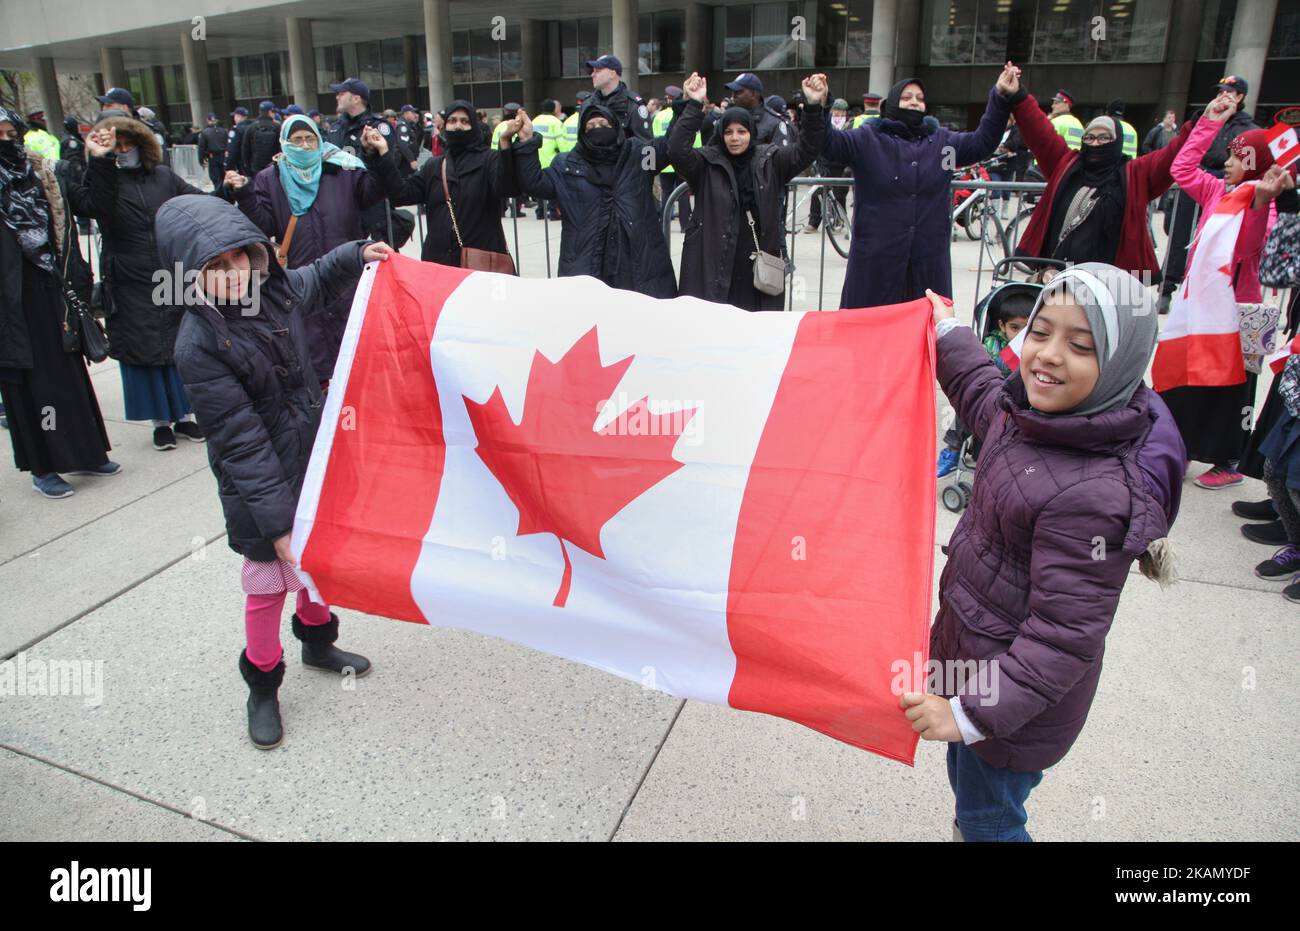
1004	288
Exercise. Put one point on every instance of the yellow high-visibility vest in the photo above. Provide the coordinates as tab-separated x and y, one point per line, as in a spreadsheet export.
549	127
1130	139
1069	127
569	140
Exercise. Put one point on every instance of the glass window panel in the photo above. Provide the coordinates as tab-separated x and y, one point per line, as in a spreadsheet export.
485	56
250	76
277	73
569	49
460	60
1064	31
393	52
773	46
670	40
370	65
859	38
992	30
511	54
738	39
1216	29
645	44
604	36
1135	30
951	31
832	32
329	68
1286	30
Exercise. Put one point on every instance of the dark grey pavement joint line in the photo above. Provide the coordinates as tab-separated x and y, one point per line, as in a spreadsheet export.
646	772
117	594
116	788
98	517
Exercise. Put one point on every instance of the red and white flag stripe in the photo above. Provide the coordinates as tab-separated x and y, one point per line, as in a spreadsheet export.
726	506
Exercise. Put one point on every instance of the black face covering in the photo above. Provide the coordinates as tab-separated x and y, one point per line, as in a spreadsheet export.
600	146
912	119
458	140
11	153
602	137
1101	161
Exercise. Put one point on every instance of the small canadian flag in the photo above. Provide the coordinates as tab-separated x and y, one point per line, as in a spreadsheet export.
1284	144
1011	351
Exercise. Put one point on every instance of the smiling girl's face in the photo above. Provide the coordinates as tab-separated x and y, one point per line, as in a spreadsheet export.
1058	363
226	277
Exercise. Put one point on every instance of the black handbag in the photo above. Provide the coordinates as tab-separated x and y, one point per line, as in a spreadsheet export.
81	331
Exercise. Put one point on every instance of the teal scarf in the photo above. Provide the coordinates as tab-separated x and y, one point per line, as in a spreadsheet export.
300	169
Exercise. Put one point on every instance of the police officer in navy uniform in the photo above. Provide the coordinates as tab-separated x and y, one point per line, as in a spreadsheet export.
747	91
212	150
408	128
352	97
72	148
608	90
235	139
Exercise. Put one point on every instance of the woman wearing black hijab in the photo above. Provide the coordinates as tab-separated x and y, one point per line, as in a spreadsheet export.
902	165
478	178
1095	205
734	180
53	415
604	186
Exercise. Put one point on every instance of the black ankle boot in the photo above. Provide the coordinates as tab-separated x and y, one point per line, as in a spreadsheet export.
264	727
319	652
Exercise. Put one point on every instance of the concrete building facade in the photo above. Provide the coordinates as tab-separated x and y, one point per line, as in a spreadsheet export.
1154	54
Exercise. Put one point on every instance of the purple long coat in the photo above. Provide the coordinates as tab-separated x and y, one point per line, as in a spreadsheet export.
334	218
1062	507
902	236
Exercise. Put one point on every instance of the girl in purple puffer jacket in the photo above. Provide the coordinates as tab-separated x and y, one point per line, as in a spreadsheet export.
1080	472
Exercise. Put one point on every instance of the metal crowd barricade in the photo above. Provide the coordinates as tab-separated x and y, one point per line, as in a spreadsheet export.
185	162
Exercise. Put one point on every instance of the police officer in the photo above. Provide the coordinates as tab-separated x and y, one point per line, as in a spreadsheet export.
116	101
1116	109
570	138
212	150
549	127
408	128
1065	122
608	90
261	140
747	92
235	139
39	139
72	148
870	110
352	99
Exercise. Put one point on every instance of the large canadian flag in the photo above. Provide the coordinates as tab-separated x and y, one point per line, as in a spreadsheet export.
731	507
1200	344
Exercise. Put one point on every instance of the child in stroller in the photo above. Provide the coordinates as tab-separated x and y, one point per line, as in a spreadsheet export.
999	318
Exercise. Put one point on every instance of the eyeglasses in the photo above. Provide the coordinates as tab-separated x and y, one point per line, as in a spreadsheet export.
1098	138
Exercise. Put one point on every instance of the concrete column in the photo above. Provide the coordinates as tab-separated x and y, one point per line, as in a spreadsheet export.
112	67
437	45
532	55
302	62
411	67
884	42
195	56
1180	58
1251	29
47	83
625	39
699	38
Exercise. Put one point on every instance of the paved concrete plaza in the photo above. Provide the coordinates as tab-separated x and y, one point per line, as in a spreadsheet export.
458	736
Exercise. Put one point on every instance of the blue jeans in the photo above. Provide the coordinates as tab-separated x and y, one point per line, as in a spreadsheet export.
990	800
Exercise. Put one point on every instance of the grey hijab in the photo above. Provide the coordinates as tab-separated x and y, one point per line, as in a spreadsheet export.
1124	329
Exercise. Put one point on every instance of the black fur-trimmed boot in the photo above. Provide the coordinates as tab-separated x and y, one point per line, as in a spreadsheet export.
264	727
319	652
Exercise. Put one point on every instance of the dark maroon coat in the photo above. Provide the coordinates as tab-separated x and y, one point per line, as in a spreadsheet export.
333	219
1062	507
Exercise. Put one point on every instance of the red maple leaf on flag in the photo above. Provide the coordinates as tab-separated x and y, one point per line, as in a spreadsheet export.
565	477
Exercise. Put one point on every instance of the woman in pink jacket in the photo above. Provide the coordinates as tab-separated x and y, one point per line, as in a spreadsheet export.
1215	421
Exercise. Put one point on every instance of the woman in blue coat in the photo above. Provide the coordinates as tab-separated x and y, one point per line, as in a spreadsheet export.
902	166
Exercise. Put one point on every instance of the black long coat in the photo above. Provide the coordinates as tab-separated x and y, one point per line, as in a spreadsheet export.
141	330
479	180
250	377
718	227
588	210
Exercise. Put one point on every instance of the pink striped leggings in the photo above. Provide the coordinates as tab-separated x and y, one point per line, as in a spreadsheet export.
262	615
